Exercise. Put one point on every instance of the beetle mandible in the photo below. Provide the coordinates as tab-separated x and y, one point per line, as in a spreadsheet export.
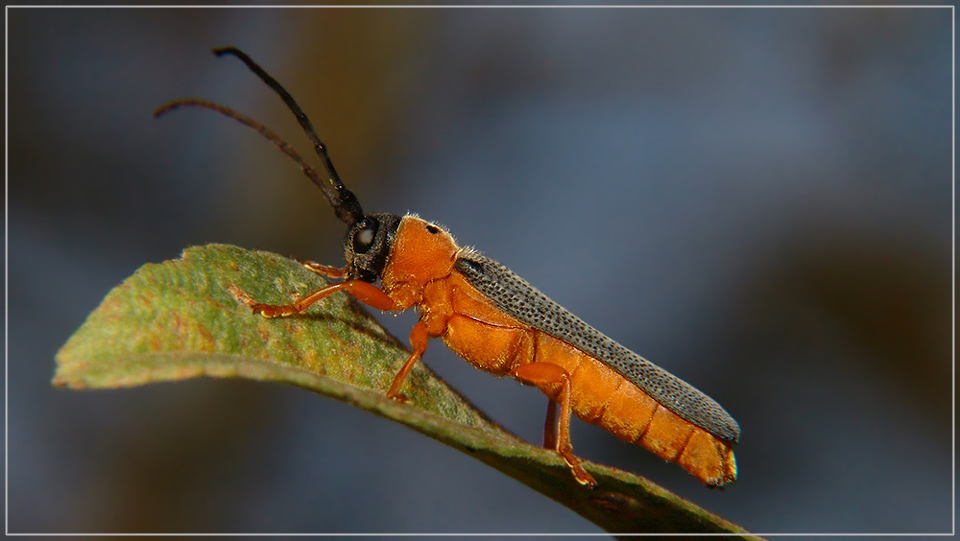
501	324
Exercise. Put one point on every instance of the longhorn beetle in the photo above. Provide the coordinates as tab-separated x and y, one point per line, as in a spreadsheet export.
500	323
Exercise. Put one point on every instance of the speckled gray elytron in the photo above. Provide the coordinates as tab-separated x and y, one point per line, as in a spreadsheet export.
519	299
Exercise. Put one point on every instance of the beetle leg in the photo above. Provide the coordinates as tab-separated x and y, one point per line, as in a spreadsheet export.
364	292
547	377
326	270
550	426
418	339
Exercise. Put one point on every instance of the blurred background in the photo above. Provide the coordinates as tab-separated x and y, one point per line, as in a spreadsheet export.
758	200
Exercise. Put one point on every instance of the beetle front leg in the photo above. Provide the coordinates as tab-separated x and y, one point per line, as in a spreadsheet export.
364	292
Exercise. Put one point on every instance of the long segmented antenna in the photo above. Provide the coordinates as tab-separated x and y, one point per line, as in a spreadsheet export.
263	130
343	201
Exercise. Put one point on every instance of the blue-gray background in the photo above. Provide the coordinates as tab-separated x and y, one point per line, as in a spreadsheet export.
759	200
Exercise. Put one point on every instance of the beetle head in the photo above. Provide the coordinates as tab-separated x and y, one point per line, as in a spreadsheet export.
367	245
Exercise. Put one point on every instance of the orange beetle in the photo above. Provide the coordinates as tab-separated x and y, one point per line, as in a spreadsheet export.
501	324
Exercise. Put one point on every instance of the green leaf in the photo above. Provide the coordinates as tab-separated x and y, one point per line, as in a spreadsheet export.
185	318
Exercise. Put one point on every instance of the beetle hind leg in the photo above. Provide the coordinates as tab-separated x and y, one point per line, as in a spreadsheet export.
550	426
548	378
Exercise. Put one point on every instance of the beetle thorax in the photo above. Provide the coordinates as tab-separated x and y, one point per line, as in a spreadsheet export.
422	251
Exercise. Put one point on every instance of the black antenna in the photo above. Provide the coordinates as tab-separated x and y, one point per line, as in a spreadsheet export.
344	203
264	131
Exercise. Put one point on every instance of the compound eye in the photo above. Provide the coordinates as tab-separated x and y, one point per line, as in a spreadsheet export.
363	239
365	236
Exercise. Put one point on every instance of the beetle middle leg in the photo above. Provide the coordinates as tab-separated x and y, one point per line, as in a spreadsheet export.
418	339
548	375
